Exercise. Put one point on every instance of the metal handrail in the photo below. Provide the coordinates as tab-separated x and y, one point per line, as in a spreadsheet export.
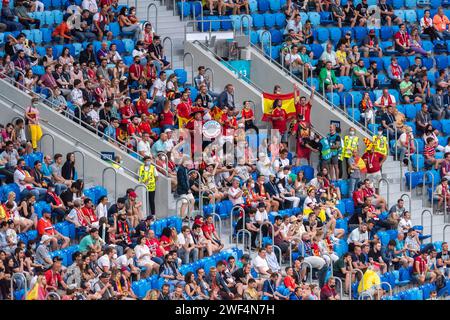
260	232
245	233
82	161
98	133
280	253
431	221
409	200
156	14
331	261
186	54
341	287
53	294
53	142
387	189
240	209
401	172
353	104
216	216
212	78
363	294
305	84
350	289
309	265
18	275
290	249
443	231
424	188
229	66
194	10
270	42
171	47
115	180
147	202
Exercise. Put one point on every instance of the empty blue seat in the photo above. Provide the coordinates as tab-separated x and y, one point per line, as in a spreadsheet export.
317	50
441	62
314	17
280	19
269	20
253	5
360	33
184	8
410	16
275	5
386	33
226	23
326	17
277	36
263	5
322	35
258	20
49	18
346	81
335	34
397	4
418	161
114	27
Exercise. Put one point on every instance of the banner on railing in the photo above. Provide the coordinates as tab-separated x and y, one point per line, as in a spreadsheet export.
108	156
239	67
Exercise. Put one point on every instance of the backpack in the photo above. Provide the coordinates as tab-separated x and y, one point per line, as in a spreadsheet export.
440	282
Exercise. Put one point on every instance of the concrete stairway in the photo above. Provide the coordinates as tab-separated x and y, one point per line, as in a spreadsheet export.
168	25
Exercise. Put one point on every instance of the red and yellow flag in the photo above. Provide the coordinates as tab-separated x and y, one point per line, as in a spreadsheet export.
288	104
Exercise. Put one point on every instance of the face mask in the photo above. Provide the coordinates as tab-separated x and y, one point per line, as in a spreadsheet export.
115	256
380	133
252	185
352	133
147	163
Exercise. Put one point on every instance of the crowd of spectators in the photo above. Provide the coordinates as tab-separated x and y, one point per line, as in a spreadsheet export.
137	107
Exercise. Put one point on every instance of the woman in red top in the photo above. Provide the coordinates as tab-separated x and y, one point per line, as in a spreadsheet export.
209	231
248	116
279	117
149	73
127	109
289	280
143	104
166	117
166	240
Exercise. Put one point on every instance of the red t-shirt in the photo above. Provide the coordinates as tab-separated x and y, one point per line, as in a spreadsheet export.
368	192
229	125
145	127
304	110
289	282
403	38
165	239
52	278
373	161
89	213
247	114
45	226
166	118
208	228
153	245
326	292
142	106
126	111
279	125
132	129
136	70
358	195
184	110
422	264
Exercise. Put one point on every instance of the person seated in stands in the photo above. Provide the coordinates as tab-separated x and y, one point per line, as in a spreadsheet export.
8	18
329	55
328	80
387	14
407	89
361	76
421	270
426	26
362	13
341	57
26	182
423	119
45	227
290	9
56	203
441	24
403	41
371	45
395	73
99	22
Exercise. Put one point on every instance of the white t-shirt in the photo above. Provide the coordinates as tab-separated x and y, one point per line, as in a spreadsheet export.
356	235
123	261
182	239
261	216
404	225
309	201
104	261
101	211
260	264
160	88
233	192
386	101
289	58
20	176
145	147
141	250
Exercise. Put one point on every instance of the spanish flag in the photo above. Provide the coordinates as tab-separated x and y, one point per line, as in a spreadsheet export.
287	100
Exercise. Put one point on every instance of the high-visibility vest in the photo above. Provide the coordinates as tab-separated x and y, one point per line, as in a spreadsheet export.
350	144
380	144
326	150
148	177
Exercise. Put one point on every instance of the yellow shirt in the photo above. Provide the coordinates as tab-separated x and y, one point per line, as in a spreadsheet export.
370	279
341	57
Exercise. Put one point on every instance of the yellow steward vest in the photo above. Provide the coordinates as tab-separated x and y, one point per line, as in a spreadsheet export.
148	177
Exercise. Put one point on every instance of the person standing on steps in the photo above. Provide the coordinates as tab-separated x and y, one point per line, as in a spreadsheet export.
148	175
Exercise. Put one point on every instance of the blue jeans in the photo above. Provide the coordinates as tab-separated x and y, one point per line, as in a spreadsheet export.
158	104
158	260
352	185
60	188
38	193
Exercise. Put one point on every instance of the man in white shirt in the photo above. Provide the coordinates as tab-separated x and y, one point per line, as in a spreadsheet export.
359	236
158	91
271	259
295	24
170	143
235	193
261	214
188	251
76	96
282	161
144	146
261	265
329	55
25	182
126	260
105	261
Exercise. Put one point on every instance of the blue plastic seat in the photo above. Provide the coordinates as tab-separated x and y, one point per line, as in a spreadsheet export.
397	4
335	34
226	23
411	16
49	18
114	27
263	5
418	161
258	20
277	36
253	5
184	8
58	16
400	14
326	17
441	62
360	33
317	50
269	20
314	17
386	33
275	5
346	81
280	19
